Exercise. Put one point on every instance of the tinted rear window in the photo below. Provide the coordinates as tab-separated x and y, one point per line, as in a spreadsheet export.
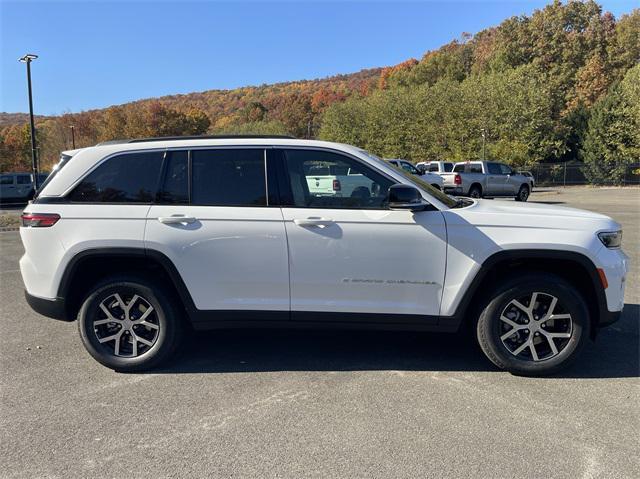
126	178
228	177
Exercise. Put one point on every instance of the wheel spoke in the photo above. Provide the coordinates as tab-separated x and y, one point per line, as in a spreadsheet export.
109	338
532	302
145	314
558	335
521	306
534	353
560	316
116	348
511	322
120	302
105	321
552	307
106	311
521	348
149	325
134	345
144	341
552	345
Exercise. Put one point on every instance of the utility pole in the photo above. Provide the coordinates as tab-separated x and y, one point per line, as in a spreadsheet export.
28	58
483	131
73	137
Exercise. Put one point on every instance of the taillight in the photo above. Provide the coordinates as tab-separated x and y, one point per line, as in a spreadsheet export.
39	220
336	185
457	180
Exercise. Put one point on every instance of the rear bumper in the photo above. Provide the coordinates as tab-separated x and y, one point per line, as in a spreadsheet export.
51	308
454	190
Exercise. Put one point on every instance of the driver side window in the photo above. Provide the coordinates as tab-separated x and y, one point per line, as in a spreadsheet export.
322	179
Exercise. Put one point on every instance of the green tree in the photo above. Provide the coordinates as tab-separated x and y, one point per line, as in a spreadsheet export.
612	141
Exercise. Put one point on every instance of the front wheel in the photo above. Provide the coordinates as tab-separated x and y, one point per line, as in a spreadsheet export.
534	326
523	193
129	324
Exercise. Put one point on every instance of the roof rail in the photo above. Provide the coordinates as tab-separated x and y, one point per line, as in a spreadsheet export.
202	137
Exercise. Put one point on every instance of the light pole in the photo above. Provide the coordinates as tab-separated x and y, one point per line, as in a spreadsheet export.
73	137
28	58
483	140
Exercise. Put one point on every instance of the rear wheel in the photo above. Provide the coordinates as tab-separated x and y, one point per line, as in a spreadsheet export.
523	193
475	191
129	324
534	326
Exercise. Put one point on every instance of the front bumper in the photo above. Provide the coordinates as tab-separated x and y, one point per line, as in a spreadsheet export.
51	308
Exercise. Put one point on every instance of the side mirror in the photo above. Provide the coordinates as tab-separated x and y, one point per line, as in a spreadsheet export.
406	197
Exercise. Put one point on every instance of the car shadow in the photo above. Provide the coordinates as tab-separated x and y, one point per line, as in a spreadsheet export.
613	355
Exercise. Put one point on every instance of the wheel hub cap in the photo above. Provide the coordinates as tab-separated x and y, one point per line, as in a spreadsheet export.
536	327
126	325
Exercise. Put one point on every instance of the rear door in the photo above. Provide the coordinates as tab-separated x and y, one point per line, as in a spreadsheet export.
495	180
215	221
511	181
354	255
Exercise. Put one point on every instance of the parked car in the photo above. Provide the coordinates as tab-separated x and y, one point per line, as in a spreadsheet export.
528	174
18	187
435	166
486	179
138	239
434	180
333	180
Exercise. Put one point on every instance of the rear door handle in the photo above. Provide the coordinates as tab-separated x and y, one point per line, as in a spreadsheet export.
313	222
175	219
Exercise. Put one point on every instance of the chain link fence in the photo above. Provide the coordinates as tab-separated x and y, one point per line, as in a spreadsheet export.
564	174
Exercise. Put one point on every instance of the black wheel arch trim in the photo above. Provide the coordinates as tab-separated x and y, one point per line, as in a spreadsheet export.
542	254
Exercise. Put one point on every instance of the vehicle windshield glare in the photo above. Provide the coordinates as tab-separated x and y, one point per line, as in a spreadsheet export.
439	195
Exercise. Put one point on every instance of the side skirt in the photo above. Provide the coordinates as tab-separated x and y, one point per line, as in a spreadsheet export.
207	320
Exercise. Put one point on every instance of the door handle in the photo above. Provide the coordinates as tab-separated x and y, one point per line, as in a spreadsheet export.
175	219
321	222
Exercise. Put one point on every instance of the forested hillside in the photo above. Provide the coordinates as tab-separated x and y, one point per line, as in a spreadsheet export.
561	84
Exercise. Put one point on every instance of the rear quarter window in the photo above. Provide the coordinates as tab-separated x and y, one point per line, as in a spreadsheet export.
125	178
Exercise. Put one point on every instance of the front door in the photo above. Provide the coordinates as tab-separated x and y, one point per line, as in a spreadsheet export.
350	253
216	225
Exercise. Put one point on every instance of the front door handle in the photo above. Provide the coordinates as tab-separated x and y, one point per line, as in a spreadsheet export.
175	219
313	221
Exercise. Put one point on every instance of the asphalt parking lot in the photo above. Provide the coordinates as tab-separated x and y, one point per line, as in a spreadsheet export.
319	404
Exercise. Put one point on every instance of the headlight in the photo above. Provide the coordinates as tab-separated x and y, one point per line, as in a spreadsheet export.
611	239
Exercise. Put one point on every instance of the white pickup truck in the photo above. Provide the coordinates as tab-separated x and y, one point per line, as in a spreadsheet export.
437	167
486	179
335	180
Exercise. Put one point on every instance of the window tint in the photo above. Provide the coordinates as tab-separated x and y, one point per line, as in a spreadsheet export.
433	167
448	167
6	180
127	178
505	170
228	178
349	183
494	169
175	184
23	179
409	167
468	168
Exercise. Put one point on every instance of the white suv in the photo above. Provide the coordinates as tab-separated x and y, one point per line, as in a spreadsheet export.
139	240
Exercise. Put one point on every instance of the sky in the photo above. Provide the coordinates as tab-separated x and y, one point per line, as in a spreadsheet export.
93	54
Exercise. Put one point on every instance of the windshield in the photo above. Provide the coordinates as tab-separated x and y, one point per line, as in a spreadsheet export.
439	195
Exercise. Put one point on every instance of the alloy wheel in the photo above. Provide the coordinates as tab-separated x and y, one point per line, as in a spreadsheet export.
127	325
535	327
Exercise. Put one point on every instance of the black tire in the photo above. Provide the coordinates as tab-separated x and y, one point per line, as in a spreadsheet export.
523	193
165	339
491	329
475	192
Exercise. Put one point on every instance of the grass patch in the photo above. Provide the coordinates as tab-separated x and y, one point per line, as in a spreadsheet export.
9	220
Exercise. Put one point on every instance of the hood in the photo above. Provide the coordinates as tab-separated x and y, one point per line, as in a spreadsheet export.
534	215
